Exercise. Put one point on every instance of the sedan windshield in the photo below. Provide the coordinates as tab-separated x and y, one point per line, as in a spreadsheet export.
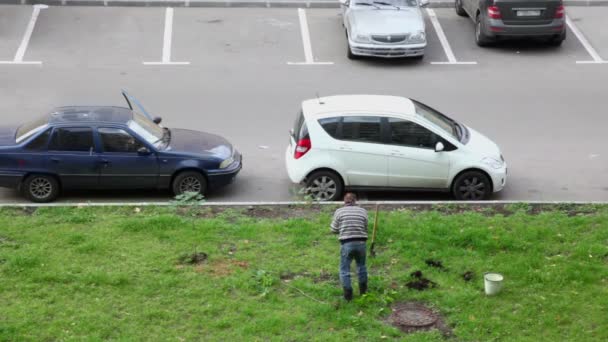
451	127
147	129
29	128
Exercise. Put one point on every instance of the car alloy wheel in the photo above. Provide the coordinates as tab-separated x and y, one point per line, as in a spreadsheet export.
472	186
324	186
189	181
40	188
190	184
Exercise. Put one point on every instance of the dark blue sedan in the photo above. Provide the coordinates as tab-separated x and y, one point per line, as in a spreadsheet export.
111	148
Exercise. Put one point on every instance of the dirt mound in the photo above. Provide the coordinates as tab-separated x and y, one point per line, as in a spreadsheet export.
193	259
419	282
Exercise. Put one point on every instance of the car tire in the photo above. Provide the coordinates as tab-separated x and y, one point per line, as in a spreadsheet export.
472	186
189	181
40	188
558	39
324	186
417	58
459	9
481	39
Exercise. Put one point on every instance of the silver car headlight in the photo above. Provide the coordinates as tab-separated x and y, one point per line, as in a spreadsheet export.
226	163
493	162
417	38
363	38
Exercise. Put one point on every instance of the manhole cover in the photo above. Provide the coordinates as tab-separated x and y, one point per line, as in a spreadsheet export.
411	315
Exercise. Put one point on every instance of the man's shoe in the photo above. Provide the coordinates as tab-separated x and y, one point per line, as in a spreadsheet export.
363	288
348	294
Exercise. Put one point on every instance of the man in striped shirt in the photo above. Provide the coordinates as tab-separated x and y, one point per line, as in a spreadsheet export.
350	223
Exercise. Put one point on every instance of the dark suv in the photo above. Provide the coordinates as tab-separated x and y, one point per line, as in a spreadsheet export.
515	18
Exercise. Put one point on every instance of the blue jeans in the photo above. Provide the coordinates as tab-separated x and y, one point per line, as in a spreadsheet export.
349	251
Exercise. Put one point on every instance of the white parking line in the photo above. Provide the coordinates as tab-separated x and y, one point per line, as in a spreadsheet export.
166	59
444	41
597	59
26	38
308	56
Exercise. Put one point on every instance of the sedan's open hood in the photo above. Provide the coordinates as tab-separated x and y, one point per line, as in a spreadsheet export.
387	21
195	142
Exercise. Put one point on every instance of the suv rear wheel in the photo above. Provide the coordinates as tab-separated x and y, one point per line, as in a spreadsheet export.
472	186
324	186
557	40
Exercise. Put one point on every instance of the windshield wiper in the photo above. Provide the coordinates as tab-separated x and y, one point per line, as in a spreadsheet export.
386	4
367	4
166	138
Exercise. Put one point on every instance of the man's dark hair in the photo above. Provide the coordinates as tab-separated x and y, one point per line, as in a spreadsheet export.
350	198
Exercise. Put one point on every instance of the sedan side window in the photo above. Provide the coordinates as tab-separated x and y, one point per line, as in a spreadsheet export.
407	133
362	129
72	139
40	142
118	140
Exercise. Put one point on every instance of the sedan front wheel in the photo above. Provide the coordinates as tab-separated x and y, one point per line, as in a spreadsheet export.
189	181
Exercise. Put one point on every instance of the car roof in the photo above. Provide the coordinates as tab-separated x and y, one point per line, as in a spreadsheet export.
368	104
105	114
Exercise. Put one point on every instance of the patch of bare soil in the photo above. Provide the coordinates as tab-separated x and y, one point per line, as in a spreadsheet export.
412	317
435	263
419	282
222	268
313	210
196	258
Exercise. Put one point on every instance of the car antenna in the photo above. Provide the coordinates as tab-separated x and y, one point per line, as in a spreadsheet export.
319	99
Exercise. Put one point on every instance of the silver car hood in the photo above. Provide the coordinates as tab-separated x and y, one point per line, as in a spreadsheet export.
386	21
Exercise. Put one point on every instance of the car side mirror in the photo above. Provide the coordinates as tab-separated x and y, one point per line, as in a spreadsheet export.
344	2
144	151
439	146
157	120
423	3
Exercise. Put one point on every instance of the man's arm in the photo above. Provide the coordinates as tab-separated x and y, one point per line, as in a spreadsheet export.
335	224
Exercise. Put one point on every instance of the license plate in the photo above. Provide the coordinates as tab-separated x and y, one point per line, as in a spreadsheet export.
529	13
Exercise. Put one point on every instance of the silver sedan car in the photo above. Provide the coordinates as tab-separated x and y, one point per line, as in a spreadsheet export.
384	28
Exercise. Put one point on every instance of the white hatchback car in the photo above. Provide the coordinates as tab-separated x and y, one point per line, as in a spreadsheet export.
371	142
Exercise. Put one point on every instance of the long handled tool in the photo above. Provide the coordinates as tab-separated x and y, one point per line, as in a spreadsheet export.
372	251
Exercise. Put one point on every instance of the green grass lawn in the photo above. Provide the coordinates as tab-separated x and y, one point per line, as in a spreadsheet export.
114	274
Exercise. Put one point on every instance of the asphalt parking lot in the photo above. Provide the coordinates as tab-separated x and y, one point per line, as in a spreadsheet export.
242	73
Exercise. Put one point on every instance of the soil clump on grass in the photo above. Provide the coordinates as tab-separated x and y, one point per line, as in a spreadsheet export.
419	282
193	259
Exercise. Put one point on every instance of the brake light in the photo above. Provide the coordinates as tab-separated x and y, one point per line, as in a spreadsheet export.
302	147
494	12
560	12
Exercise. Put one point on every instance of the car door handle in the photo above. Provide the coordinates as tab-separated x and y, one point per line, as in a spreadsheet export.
105	162
346	148
55	160
396	153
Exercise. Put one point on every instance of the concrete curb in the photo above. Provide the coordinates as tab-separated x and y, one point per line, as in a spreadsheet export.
295	203
239	3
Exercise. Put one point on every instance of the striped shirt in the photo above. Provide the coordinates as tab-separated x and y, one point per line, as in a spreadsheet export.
350	222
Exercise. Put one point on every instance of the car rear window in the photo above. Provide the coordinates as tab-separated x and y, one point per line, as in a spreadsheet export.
330	125
30	128
300	130
40	142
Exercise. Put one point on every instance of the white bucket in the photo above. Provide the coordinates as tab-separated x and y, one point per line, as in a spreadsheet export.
493	283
